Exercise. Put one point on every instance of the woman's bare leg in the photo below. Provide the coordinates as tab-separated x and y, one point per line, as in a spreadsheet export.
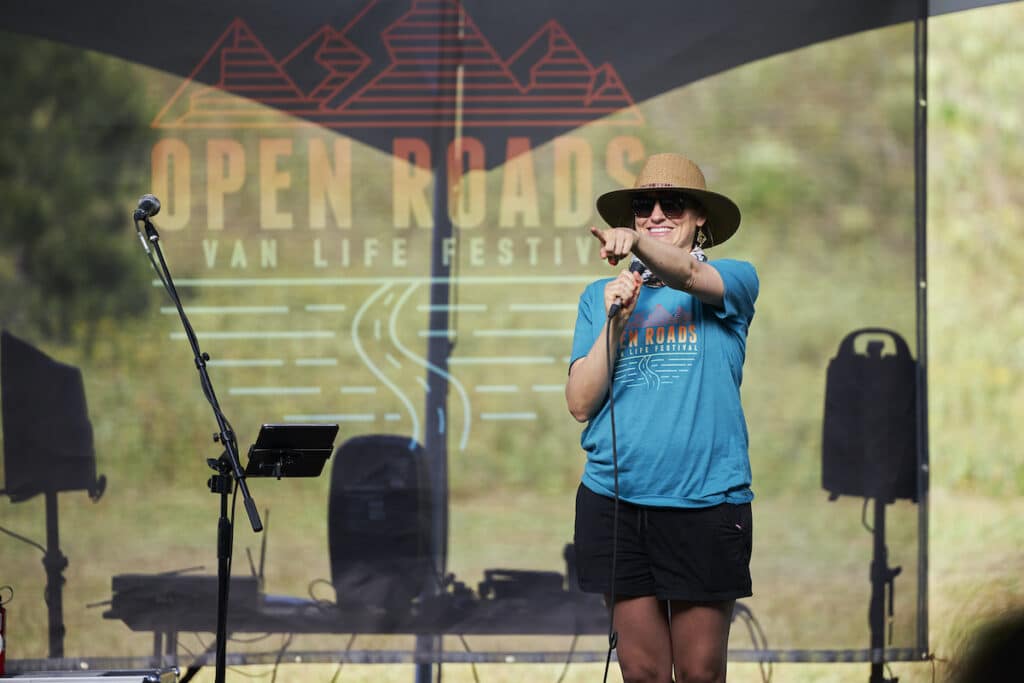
700	640
644	645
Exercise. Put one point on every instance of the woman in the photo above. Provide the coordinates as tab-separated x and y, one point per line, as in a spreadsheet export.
678	460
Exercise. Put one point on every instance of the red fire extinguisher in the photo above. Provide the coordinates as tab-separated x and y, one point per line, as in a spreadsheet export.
3	626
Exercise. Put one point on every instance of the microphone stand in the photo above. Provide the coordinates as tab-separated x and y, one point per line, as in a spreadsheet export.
226	466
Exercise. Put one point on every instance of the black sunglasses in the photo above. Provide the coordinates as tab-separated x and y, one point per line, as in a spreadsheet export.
673	206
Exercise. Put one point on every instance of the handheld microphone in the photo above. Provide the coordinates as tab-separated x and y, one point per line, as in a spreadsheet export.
148	206
637	266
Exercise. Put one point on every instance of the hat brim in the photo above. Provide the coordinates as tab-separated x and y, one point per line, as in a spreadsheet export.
723	216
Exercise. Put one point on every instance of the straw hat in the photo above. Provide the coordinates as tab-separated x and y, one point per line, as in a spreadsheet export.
673	172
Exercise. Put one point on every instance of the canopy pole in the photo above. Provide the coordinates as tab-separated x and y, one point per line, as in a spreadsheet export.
921	272
440	344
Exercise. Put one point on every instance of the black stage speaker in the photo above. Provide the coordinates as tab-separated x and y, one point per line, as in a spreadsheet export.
48	443
379	522
869	440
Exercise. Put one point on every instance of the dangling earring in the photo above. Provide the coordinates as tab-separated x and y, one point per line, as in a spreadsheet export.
701	238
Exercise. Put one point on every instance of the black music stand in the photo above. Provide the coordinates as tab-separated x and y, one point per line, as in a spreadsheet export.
291	450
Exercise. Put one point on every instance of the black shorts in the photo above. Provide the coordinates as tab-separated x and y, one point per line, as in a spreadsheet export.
692	554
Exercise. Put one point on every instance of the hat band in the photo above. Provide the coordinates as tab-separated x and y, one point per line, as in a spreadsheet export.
681	188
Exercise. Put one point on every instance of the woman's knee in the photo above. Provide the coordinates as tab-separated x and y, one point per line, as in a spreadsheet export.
644	670
700	672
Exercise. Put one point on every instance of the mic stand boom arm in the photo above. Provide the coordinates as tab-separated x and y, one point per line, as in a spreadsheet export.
227	466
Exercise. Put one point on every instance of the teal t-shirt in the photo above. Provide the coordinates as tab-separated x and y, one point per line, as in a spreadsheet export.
680	431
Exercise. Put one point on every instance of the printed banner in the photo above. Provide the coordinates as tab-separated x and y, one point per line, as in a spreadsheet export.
377	216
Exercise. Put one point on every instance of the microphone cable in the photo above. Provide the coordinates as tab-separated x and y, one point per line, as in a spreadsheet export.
636	266
613	635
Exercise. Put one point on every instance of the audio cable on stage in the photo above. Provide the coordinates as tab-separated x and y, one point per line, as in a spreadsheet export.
613	635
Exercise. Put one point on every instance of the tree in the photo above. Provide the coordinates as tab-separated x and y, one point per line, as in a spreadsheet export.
75	134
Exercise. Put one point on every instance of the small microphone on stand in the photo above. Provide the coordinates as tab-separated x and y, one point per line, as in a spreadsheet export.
148	206
637	266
